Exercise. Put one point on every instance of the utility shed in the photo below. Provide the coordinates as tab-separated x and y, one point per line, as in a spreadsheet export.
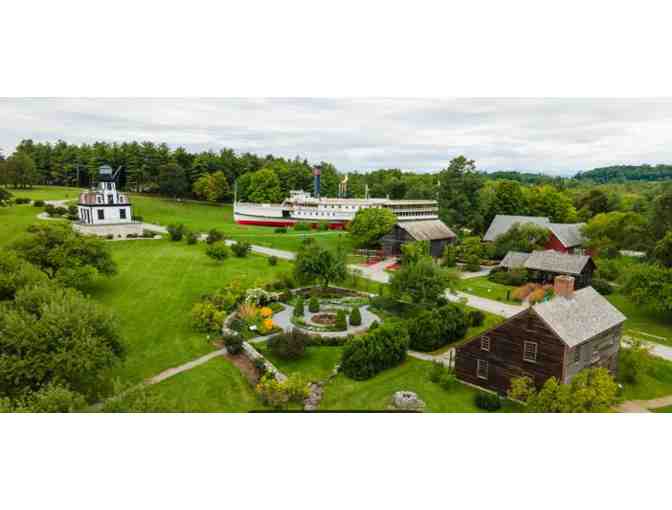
436	232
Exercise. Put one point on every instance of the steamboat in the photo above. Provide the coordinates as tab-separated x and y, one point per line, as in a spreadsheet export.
302	206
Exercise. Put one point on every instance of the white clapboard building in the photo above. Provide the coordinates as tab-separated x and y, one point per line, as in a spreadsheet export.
104	205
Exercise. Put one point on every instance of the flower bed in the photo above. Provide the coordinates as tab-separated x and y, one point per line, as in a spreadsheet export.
325	319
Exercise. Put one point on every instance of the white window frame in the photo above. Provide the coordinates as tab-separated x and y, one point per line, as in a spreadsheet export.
536	351
482	365
99	199
99	213
485	343
122	213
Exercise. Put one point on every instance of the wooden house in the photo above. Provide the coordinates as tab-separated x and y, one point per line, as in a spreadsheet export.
557	338
435	232
544	266
563	237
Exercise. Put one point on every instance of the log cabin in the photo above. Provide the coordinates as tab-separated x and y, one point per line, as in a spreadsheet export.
544	266
435	232
576	329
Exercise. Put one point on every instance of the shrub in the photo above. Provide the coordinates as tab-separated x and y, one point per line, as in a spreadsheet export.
355	317
381	348
139	219
515	277
301	226
436	371
288	345
602	286
73	210
341	321
273	260
298	308
176	232
635	361
476	318
473	263
131	236
260	366
38	203
192	238
537	295
241	248
521	293
218	251
323	226
148	233
449	257
109	236
278	394
447	380
20	200
206	317
313	305
432	329
214	236
487	401
280	230
233	344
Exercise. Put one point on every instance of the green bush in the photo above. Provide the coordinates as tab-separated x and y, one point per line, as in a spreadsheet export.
432	329
176	232
473	264
449	257
323	226
206	317
139	219
476	318
260	366
288	345
355	317
21	200
273	260
214	236
301	226
218	251
313	305
38	203
514	278
233	344
381	348
341	321
487	401
447	380
280	230
149	233
602	286
436	371
192	238
241	248
298	308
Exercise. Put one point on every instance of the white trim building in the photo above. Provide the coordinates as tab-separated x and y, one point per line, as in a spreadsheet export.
104	205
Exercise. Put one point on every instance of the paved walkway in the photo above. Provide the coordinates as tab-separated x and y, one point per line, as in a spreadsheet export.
644	406
186	366
447	357
488	305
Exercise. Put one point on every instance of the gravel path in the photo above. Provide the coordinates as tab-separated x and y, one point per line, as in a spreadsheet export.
488	305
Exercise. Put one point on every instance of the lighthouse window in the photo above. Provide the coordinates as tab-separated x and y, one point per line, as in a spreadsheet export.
99	199
122	213
101	214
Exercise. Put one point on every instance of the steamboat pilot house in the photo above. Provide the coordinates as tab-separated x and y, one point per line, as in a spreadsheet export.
104	205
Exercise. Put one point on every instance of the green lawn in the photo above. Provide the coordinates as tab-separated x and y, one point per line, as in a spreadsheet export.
345	394
47	192
315	365
666	409
482	287
15	219
644	320
202	217
657	383
216	386
157	284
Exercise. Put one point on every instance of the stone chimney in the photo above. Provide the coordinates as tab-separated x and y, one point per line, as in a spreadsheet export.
564	286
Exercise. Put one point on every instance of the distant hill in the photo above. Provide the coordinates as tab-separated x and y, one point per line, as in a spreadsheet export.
621	173
523	177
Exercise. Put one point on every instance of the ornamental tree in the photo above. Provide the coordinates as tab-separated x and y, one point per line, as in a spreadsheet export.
369	225
524	237
421	282
316	264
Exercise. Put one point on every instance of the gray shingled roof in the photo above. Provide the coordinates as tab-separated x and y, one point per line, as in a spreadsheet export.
502	223
514	259
580	318
427	230
569	234
550	260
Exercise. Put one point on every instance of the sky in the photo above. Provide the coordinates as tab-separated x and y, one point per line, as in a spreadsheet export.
551	136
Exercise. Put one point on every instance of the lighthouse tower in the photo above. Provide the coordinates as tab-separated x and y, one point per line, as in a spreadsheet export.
104	205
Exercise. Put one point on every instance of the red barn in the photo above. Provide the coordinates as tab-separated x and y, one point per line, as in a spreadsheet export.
564	237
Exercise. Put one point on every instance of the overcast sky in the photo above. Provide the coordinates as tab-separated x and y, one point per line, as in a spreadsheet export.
553	136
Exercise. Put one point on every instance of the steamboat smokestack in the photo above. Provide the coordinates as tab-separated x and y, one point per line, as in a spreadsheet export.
316	174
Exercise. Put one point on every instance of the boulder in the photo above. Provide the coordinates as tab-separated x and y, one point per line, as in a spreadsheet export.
407	401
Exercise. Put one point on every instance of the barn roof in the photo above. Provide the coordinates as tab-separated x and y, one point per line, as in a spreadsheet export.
569	234
556	262
581	317
427	230
503	222
514	259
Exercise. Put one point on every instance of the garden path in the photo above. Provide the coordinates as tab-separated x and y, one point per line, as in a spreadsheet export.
184	367
446	357
488	305
644	406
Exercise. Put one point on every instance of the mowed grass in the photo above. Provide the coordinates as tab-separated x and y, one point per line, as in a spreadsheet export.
214	387
47	193
644	320
153	293
202	217
666	409
375	394
316	364
482	287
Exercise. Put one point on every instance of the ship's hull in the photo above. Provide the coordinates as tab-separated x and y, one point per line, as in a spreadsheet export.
258	218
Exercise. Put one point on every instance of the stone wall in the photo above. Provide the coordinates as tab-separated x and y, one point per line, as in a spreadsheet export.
121	229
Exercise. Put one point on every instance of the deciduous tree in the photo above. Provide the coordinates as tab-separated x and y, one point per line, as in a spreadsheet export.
369	225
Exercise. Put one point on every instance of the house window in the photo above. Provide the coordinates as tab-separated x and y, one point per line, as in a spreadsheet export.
577	354
99	199
101	214
481	369
530	351
485	343
122	213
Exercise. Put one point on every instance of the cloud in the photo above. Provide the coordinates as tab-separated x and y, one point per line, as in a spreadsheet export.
554	136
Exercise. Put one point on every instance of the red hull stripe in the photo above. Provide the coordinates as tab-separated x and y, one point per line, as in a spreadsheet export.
260	223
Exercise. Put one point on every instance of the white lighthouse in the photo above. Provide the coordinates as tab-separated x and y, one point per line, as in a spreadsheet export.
104	205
